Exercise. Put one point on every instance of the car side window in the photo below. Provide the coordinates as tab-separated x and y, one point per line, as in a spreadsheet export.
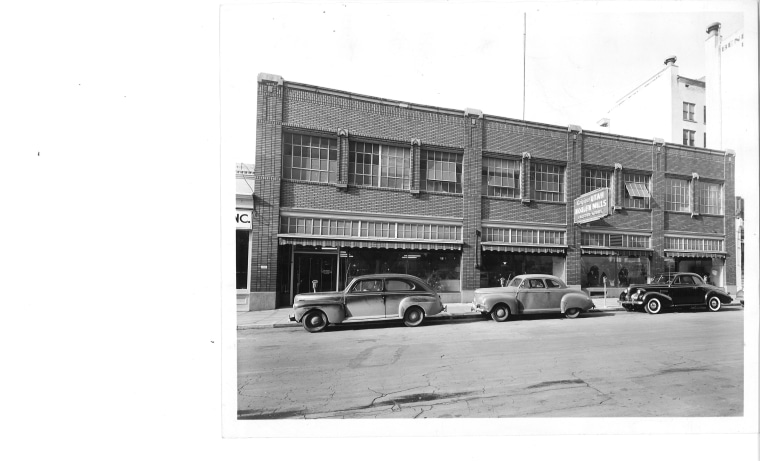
398	285
552	284
684	280
697	280
368	285
536	283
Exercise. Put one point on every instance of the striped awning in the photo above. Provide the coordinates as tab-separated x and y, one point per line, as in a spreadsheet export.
616	252
694	254
384	244
523	249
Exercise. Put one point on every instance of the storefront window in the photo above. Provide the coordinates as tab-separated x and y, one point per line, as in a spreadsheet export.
241	260
620	271
497	265
440	269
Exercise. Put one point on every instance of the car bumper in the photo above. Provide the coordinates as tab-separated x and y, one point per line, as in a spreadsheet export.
478	308
631	304
292	317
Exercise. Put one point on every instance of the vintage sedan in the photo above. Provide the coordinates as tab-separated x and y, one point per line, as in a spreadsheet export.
671	290
532	293
368	297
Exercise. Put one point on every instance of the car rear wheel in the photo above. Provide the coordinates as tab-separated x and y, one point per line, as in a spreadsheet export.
413	316
654	306
713	304
572	313
314	321
500	313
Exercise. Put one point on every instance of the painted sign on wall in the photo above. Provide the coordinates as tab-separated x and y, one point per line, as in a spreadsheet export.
591	206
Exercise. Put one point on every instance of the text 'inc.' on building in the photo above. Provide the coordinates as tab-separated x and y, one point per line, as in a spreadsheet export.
346	185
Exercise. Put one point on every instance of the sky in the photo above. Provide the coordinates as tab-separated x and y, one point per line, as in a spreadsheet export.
580	57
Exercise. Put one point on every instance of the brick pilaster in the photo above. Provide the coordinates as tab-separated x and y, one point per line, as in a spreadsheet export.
572	191
471	195
415	160
343	158
617	187
657	202
729	203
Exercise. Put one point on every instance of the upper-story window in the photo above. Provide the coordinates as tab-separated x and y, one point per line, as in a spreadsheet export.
501	177
688	137
688	111
379	165
676	194
547	182
710	197
636	191
441	171
594	179
310	158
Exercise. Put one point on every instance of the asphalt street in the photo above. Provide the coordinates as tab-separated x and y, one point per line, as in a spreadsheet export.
604	364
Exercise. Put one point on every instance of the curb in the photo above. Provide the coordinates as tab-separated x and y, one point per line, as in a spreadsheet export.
436	318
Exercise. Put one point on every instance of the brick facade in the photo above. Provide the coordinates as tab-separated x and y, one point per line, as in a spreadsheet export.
298	108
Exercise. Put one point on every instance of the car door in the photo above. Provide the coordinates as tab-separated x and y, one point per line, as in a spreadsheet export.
395	291
533	295
555	293
364	299
682	290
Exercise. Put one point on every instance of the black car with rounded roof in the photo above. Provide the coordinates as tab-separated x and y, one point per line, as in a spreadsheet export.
674	290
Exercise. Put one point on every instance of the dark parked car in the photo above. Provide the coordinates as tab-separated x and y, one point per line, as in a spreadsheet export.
531	293
673	289
368	297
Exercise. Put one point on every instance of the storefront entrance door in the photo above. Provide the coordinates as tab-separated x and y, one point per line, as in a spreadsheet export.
314	267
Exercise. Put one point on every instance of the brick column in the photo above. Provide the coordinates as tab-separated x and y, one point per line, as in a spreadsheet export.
657	202
618	185
694	195
471	211
572	191
414	185
265	222
525	190
342	159
729	202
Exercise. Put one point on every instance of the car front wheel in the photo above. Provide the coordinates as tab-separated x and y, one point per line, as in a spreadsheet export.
713	304
654	306
314	321
500	313
573	313
413	316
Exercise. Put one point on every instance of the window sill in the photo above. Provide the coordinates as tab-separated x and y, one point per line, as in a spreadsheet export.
513	199
435	192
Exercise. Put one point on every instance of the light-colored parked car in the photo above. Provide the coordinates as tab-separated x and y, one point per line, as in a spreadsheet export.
368	297
531	293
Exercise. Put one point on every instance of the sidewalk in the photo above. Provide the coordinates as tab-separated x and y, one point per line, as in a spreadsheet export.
278	318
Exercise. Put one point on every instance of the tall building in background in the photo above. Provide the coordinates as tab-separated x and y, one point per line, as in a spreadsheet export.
667	106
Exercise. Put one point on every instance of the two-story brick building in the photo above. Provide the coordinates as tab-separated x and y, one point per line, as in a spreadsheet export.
347	184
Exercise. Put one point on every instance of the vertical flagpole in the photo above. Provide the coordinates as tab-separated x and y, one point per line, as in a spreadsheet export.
525	39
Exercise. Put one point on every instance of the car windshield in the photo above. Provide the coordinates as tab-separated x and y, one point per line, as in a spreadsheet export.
515	282
663	278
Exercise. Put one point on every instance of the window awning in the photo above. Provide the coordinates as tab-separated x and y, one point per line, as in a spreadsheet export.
694	254
384	244
636	189
616	251
523	249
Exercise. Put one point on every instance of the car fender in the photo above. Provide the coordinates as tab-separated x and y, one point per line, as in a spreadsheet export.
335	312
664	299
579	300
430	305
511	303
724	298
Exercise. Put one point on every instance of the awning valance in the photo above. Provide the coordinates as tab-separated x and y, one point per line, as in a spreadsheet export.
381	244
694	254
523	249
616	251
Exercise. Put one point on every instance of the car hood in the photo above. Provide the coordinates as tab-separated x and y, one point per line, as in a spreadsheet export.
321	296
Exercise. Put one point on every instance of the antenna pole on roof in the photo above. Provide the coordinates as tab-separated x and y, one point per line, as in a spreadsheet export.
525	40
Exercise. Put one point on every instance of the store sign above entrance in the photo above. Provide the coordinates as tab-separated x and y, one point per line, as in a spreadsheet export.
243	219
591	206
